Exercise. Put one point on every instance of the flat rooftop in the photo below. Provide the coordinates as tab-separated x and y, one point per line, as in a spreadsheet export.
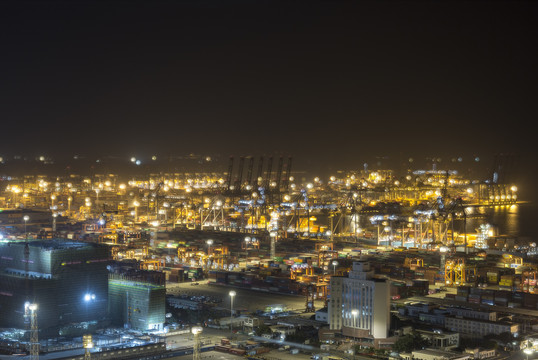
52	244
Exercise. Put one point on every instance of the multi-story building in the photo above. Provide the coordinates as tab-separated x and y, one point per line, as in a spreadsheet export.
68	281
472	314
137	299
359	305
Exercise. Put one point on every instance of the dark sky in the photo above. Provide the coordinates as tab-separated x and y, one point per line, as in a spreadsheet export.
328	82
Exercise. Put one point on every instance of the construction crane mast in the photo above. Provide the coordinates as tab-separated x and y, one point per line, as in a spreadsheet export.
260	171
287	174
249	170
239	178
229	175
269	169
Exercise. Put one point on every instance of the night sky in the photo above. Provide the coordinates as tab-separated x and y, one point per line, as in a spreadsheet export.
331	83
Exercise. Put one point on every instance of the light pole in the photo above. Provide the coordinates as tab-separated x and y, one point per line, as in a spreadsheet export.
87	344
247	242
209	242
136	204
334	263
97	198
232	295
25	218
528	351
196	331
354	312
54	215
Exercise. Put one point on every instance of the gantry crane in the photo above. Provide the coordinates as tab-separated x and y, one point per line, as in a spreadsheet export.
310	297
413	263
458	272
151	265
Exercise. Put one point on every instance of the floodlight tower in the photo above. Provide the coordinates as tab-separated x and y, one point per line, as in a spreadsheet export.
87	342
196	331
26	270
31	309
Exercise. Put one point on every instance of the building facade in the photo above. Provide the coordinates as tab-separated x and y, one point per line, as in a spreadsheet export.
479	328
67	280
137	303
360	305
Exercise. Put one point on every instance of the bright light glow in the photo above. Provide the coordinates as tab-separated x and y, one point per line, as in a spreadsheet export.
232	293
89	297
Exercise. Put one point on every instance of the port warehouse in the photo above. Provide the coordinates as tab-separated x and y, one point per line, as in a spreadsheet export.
90	288
142	352
68	280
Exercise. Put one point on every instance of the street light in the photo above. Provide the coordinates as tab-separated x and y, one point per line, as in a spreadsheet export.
334	263
528	351
232	295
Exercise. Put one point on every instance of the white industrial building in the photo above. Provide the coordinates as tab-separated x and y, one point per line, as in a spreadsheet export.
359	305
